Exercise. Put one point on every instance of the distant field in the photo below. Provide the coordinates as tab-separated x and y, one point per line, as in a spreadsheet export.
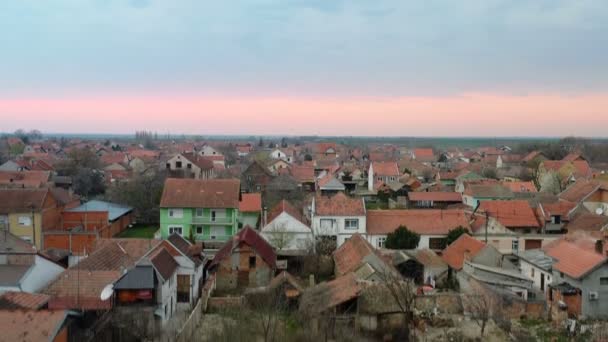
145	232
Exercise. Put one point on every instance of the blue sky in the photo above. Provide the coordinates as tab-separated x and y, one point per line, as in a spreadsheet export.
304	47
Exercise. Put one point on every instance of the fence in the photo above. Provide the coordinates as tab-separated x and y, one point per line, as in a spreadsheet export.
186	333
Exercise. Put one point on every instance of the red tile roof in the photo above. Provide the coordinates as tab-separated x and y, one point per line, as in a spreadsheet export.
338	205
386	169
252	239
421	221
195	193
251	202
464	247
31	326
303	173
327	295
29	179
573	260
578	191
80	289
561	208
436	196
511	214
285	207
520	186
350	255
23	300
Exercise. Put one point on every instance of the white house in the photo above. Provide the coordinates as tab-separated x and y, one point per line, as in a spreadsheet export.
338	217
189	271
286	230
278	154
209	151
432	225
536	265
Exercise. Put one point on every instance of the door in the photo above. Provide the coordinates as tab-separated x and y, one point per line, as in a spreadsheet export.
183	288
542	282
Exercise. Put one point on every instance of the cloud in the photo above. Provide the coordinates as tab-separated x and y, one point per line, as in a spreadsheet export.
347	48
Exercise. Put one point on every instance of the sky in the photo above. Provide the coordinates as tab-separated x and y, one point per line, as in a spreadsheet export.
295	67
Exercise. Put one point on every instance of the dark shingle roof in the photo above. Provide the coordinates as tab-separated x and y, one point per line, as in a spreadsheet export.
140	277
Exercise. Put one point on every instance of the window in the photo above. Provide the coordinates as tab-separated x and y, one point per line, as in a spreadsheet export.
327	223
515	245
189	166
199	230
437	243
176	213
351	224
25	221
381	241
199	212
178	165
604	281
532	272
168	165
175	229
252	261
557	219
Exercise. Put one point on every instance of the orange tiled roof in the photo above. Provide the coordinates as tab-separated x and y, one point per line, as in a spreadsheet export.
573	260
511	214
436	196
31	326
339	205
350	255
250	203
23	300
421	221
386	169
465	246
521	186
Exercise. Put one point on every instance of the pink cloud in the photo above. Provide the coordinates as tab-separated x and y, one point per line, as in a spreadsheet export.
466	115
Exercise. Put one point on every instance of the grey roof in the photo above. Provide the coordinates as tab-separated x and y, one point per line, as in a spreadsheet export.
114	210
333	184
11	275
538	258
140	277
11	244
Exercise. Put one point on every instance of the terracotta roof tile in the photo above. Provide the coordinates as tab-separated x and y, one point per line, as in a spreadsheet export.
327	295
339	205
23	300
251	238
511	214
578	191
520	186
421	221
350	255
251	202
464	247
194	193
31	326
386	169
573	260
285	207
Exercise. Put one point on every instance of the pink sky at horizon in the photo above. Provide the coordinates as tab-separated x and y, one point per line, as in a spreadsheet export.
474	114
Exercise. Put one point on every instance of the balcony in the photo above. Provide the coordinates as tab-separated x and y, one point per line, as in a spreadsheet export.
212	220
210	238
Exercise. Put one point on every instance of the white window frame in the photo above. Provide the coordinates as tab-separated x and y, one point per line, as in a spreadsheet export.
173	229
196	212
202	230
25	221
381	242
176	213
347	226
515	245
325	220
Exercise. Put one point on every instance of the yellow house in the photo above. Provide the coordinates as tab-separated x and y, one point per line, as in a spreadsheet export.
26	213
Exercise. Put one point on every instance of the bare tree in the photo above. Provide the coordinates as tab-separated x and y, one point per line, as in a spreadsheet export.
402	292
267	311
482	305
279	236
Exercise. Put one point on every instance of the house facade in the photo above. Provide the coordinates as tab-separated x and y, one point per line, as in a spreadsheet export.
338	217
286	229
206	210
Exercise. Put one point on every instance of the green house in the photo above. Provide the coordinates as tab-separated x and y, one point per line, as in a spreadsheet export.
205	210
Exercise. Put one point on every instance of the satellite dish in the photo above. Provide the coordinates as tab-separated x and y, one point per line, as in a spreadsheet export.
599	211
107	292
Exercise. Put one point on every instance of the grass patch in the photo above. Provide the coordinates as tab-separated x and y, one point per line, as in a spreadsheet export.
139	231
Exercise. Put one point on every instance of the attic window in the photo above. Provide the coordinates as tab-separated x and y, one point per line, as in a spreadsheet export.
252	261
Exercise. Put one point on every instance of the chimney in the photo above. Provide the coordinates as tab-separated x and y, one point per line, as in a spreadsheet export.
599	246
264	216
